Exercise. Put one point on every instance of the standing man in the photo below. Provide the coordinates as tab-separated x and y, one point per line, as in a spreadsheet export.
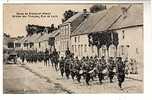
111	66
100	68
46	57
67	65
120	69
61	65
55	58
77	66
67	52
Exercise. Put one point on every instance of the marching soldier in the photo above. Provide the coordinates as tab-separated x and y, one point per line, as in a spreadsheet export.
67	67
46	57
23	57
78	68
111	66
61	65
120	68
100	68
87	70
72	68
67	52
92	65
55	58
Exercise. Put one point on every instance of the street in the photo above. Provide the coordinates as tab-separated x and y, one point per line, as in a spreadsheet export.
20	80
36	78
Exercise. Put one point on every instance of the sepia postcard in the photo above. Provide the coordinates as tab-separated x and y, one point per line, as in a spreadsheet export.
73	48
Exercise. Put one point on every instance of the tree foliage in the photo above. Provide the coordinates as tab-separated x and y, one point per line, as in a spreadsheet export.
31	29
97	7
100	39
67	14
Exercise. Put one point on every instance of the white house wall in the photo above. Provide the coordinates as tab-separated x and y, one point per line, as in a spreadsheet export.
81	47
134	38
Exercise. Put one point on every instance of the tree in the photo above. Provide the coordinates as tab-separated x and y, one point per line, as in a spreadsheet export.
97	7
67	14
106	38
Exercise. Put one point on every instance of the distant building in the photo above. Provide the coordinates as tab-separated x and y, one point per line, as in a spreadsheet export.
67	28
130	32
126	21
8	42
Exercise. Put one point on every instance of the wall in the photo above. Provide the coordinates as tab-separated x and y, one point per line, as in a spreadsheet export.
131	43
80	46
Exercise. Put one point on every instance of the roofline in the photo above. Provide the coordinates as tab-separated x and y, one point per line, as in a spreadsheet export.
127	27
109	30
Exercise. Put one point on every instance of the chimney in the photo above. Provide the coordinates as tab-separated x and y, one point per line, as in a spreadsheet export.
85	14
124	12
84	11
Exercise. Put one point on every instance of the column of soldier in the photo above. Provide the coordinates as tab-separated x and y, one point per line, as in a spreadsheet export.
86	68
92	68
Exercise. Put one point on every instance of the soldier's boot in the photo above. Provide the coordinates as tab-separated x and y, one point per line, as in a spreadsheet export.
87	79
111	78
87	82
72	75
62	72
79	78
100	78
111	81
120	83
67	74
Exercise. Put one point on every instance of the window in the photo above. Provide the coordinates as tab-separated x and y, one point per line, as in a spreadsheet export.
75	39
122	50
81	50
127	46
10	45
123	34
31	45
39	45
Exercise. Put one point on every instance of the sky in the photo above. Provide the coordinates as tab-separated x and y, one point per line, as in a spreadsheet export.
15	26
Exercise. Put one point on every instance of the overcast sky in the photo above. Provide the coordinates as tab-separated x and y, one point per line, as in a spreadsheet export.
16	26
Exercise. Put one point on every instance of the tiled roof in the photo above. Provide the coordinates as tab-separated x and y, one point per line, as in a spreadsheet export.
112	15
89	22
133	17
73	17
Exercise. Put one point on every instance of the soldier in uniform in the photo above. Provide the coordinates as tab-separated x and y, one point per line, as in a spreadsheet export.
101	67
99	70
86	69
78	68
55	58
111	66
61	65
72	67
46	57
120	68
67	52
67	67
92	65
